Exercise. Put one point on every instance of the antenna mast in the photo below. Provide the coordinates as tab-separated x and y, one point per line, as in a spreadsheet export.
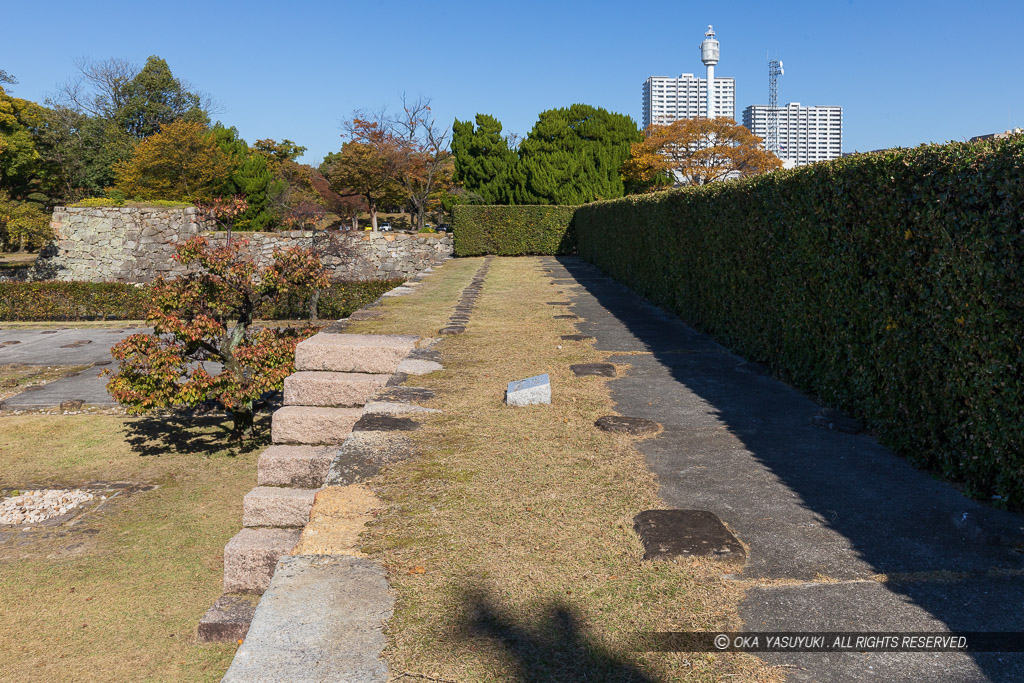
774	71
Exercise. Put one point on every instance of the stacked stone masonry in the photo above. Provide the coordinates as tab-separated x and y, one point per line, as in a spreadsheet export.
136	244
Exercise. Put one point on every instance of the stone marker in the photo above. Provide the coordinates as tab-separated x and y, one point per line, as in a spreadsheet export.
576	337
619	424
566	317
598	369
559	303
452	329
72	405
529	391
667	534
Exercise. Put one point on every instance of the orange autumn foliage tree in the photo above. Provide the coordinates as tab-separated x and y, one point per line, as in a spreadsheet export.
697	152
182	161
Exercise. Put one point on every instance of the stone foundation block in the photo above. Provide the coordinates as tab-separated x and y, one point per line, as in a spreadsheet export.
370	353
251	555
312	425
274	506
303	467
227	621
332	389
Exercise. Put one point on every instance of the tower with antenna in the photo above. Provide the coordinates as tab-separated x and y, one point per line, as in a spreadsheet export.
709	55
771	142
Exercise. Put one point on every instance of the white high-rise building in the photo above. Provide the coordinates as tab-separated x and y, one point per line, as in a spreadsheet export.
670	99
806	134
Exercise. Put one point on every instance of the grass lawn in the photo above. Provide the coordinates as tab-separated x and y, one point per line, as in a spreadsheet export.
117	596
509	540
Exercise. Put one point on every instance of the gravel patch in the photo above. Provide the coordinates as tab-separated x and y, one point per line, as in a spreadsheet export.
39	505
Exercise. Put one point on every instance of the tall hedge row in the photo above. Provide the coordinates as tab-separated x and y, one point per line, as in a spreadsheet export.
890	284
512	230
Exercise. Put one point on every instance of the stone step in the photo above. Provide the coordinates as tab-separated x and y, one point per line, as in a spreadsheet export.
303	467
274	506
251	555
227	621
312	425
372	353
331	389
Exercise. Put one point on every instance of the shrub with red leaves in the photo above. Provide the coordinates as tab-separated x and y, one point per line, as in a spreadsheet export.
204	318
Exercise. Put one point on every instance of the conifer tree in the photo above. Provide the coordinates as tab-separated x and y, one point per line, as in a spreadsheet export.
572	156
483	158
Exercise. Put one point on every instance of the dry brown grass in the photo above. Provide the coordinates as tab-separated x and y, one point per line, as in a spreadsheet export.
509	541
118	596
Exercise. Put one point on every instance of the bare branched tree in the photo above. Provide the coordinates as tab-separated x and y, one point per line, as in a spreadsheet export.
429	162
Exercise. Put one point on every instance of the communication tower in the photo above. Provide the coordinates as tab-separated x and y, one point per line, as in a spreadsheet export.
774	71
709	55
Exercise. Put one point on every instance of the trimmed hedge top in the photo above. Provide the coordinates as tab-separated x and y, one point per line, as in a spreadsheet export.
154	203
513	230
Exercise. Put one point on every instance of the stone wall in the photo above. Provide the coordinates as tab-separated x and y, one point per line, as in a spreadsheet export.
113	244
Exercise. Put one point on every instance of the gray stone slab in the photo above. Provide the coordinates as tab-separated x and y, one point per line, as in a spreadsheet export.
576	337
593	369
620	424
668	534
529	391
321	619
379	422
364	453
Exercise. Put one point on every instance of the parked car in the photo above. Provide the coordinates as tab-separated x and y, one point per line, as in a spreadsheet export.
444	227
384	227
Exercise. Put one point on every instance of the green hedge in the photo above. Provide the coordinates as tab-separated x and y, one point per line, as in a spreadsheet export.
512	230
71	301
889	284
68	301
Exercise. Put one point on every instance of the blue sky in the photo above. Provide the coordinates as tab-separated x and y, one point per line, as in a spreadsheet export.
905	72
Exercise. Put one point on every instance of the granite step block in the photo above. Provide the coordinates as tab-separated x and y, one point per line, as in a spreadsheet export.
331	389
275	506
303	467
312	425
251	555
371	353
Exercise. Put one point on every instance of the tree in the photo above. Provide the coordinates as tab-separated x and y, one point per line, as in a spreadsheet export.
697	152
482	158
427	163
19	158
78	153
572	156
182	162
23	224
367	165
205	317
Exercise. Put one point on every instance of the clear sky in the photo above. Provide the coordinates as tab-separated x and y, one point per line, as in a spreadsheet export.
905	72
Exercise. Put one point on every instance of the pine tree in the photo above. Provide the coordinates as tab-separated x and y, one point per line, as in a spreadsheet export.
573	156
483	158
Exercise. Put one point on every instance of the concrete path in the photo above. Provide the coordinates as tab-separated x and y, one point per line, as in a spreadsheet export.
827	516
68	346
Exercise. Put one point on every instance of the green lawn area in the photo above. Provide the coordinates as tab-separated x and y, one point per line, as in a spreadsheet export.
118	595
